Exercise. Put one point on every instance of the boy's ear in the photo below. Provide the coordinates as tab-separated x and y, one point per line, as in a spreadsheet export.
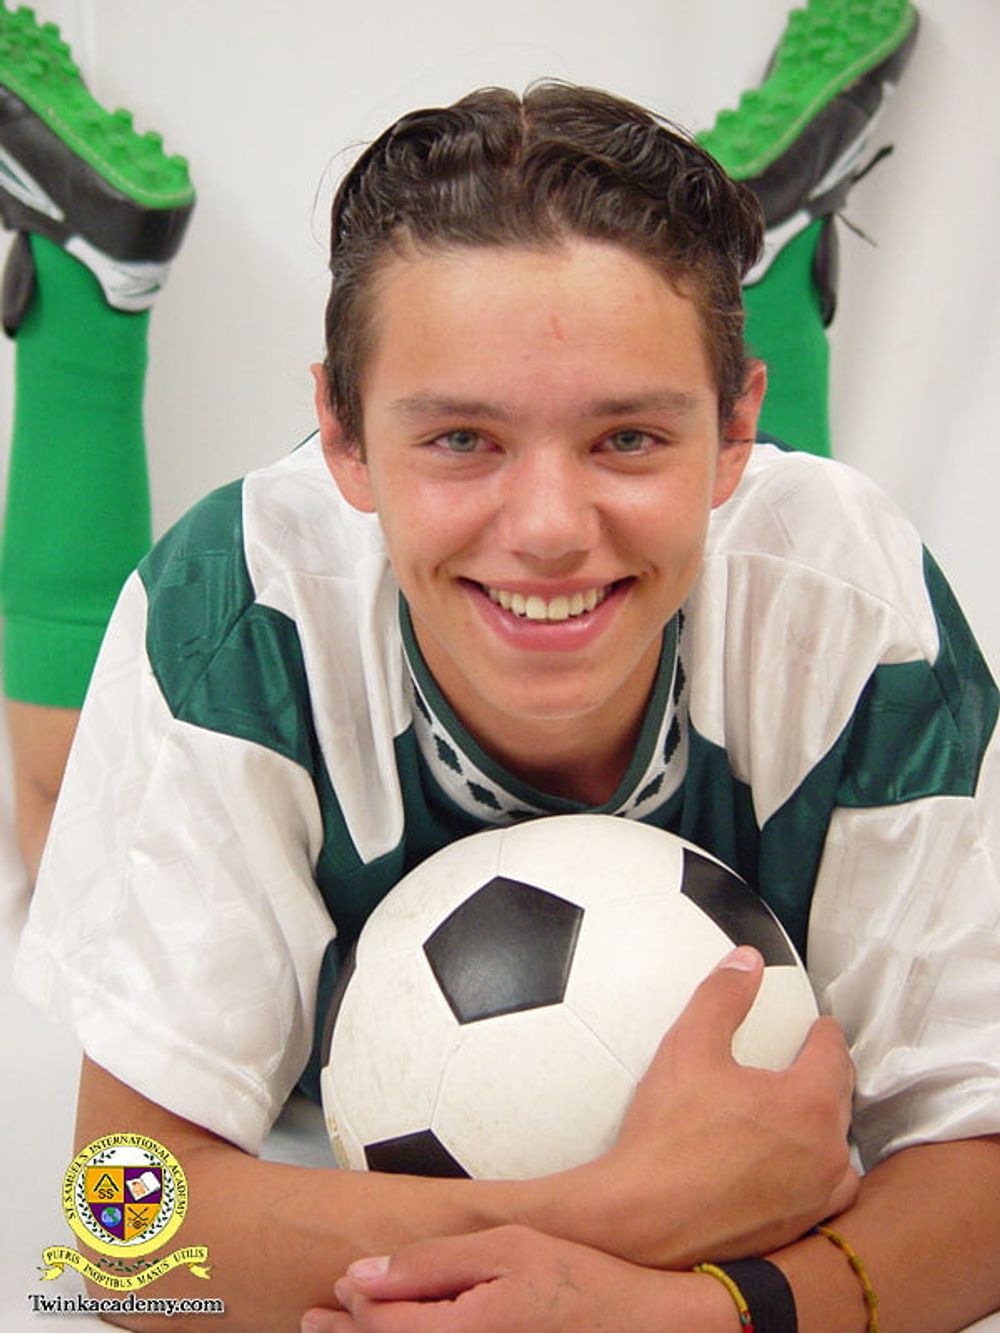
739	433
343	457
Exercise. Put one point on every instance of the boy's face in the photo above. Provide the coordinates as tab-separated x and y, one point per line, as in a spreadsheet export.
542	448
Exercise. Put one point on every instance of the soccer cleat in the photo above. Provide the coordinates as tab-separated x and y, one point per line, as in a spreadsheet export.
80	176
797	140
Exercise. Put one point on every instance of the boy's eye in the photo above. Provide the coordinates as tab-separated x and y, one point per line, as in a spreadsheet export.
628	441
459	441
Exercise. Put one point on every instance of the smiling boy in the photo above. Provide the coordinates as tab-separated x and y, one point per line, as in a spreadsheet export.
534	564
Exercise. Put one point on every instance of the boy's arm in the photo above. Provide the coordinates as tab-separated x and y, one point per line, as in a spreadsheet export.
924	1226
279	1236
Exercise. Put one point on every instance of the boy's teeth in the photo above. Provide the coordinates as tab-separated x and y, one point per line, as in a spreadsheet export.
534	607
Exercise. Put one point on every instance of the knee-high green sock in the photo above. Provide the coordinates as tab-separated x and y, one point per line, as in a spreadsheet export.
78	512
796	140
785	329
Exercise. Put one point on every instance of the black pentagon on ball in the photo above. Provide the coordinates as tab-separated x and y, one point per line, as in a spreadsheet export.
735	908
420	1154
506	948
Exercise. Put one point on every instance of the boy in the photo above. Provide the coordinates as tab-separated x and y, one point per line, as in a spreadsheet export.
584	589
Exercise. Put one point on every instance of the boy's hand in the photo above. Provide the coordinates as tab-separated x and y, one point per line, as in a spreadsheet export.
717	1160
514	1278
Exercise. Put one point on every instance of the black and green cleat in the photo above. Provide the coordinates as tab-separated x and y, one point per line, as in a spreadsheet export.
82	176
799	139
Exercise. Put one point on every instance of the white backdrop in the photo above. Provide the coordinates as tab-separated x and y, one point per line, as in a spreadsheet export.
269	101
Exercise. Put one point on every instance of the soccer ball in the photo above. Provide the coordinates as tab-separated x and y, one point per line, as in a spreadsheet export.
506	996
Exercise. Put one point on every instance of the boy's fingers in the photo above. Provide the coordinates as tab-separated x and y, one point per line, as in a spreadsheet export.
431	1269
325	1321
721	1002
825	1051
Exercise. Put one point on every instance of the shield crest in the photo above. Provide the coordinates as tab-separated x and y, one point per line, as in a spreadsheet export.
124	1201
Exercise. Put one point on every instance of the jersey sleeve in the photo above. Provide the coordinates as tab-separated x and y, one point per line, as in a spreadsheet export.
904	931
860	718
176	926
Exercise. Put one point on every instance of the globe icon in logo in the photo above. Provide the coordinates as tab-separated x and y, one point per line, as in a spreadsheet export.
111	1216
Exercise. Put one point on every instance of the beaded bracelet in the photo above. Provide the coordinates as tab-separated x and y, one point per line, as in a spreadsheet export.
713	1270
871	1299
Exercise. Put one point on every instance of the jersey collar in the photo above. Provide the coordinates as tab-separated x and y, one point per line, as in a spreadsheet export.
481	787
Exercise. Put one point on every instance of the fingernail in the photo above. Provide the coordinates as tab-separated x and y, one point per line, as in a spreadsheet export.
364	1270
311	1323
743	959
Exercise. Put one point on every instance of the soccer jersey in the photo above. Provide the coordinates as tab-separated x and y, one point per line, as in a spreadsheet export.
263	754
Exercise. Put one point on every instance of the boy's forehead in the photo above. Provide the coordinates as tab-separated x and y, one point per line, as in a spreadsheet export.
577	306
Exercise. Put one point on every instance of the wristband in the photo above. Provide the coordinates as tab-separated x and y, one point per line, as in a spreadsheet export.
761	1293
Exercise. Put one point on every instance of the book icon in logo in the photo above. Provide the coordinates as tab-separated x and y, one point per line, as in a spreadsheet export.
141	1186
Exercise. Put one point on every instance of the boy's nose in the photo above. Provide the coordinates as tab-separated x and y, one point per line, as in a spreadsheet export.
549	511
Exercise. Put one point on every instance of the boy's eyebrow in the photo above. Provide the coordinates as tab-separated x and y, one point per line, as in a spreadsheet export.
438	405
675	401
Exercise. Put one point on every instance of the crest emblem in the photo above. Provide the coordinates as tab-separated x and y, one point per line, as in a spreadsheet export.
125	1196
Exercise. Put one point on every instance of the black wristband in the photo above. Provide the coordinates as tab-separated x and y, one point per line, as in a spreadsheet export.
767	1293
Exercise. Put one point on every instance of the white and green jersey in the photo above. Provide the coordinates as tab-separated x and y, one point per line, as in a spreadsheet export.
263	754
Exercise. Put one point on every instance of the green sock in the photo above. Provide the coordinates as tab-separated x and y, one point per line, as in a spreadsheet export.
785	329
78	512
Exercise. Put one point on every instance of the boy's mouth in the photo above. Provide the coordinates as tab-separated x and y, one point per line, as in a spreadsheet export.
564	606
